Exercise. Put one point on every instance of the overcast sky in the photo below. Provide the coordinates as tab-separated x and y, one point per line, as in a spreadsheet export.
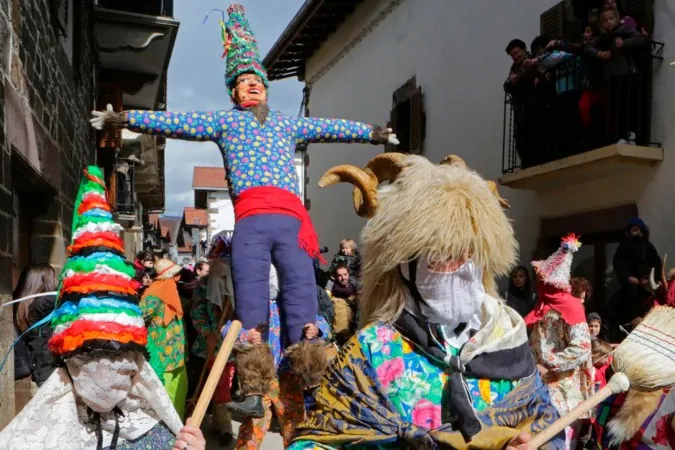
196	81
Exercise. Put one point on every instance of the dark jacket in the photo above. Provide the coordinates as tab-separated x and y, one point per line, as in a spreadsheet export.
353	262
623	60
634	254
326	309
40	359
522	300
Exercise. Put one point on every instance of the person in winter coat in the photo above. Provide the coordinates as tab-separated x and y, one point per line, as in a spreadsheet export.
349	256
36	279
519	294
631	260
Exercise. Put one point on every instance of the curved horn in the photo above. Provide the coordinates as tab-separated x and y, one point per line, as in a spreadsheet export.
366	187
664	280
454	160
652	282
495	191
386	166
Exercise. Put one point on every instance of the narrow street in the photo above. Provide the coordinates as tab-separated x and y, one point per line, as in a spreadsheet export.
272	440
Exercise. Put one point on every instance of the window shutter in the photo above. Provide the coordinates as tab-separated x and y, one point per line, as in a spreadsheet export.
416	122
552	21
642	11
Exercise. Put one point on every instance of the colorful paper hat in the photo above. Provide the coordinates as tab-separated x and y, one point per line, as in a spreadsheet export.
556	269
97	306
241	48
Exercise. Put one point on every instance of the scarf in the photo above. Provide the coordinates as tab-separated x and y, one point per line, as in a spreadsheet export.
272	200
352	406
167	292
569	307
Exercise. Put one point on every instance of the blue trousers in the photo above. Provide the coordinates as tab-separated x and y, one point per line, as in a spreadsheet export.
258	241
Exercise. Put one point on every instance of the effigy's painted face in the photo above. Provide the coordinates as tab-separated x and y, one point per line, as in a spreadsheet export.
249	88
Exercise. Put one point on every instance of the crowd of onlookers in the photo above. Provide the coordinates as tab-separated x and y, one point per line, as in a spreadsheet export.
579	91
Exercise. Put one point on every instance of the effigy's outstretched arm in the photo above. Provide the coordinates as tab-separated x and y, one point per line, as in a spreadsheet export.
315	129
192	126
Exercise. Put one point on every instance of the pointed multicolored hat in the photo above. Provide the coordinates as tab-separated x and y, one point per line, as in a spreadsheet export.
241	48
555	270
97	306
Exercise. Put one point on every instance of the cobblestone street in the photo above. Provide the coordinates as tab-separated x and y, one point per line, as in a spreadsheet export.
272	440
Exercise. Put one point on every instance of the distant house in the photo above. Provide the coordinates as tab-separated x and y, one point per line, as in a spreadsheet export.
212	195
194	224
170	228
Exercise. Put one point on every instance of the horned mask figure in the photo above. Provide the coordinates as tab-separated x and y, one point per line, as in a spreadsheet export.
445	211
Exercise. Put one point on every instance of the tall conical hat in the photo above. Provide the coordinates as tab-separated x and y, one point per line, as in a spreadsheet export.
241	48
97	305
556	269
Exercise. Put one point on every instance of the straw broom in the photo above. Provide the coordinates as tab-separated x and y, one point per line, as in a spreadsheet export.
645	360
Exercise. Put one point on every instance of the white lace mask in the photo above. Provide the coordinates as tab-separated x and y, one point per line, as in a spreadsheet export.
448	298
102	382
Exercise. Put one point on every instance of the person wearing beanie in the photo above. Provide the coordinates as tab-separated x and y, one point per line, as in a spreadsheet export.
163	314
634	258
258	147
104	394
559	336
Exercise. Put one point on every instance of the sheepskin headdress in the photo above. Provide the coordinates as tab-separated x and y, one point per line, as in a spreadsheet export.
444	211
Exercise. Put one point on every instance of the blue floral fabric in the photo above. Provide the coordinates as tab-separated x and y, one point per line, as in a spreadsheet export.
255	155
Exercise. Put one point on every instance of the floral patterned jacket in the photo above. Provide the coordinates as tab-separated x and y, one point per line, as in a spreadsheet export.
565	351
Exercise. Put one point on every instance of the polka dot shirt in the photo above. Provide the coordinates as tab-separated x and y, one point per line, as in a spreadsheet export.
255	155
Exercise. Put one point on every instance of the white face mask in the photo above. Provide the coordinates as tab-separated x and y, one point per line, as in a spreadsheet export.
102	383
448	298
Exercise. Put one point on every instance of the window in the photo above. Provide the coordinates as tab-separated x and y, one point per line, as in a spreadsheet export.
62	14
407	118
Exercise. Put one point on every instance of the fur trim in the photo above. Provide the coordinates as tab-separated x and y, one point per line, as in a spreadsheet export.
308	361
636	408
255	369
409	223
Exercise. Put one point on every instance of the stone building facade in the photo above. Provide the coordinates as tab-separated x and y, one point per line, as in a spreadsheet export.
48	85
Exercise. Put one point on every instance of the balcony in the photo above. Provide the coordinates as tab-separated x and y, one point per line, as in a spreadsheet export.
135	44
147	152
122	191
569	127
163	8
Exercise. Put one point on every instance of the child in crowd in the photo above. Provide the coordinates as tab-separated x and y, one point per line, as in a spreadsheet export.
601	353
619	44
594	324
348	255
581	289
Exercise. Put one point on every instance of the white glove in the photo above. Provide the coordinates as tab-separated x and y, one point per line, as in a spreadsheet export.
101	118
392	138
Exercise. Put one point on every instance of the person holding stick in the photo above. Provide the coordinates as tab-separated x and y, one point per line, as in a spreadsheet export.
105	394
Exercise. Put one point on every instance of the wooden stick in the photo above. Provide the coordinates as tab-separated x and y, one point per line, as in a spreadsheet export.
618	383
214	376
193	400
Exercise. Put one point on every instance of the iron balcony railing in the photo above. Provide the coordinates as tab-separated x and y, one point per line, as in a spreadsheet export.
573	108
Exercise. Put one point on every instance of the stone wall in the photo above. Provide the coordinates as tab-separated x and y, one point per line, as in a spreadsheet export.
46	99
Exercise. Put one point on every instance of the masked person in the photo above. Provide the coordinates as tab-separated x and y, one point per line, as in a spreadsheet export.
105	394
258	147
427	368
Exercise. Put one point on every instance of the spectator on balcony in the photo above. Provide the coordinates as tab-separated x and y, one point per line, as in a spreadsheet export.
520	295
565	71
521	86
625	20
619	44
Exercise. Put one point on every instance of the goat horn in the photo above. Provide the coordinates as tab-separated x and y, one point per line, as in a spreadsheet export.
652	282
365	192
495	191
454	160
386	166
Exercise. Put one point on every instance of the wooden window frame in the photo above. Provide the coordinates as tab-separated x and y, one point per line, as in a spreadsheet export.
408	106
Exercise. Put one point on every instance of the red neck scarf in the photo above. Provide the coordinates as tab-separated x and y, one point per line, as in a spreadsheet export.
569	307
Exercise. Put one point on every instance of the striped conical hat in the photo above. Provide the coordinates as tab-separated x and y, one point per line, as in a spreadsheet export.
97	306
555	270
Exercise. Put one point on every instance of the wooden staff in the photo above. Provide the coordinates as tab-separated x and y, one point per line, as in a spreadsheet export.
214	376
227	312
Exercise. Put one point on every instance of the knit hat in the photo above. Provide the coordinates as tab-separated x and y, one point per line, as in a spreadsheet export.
555	270
593	317
166	269
241	48
97	305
